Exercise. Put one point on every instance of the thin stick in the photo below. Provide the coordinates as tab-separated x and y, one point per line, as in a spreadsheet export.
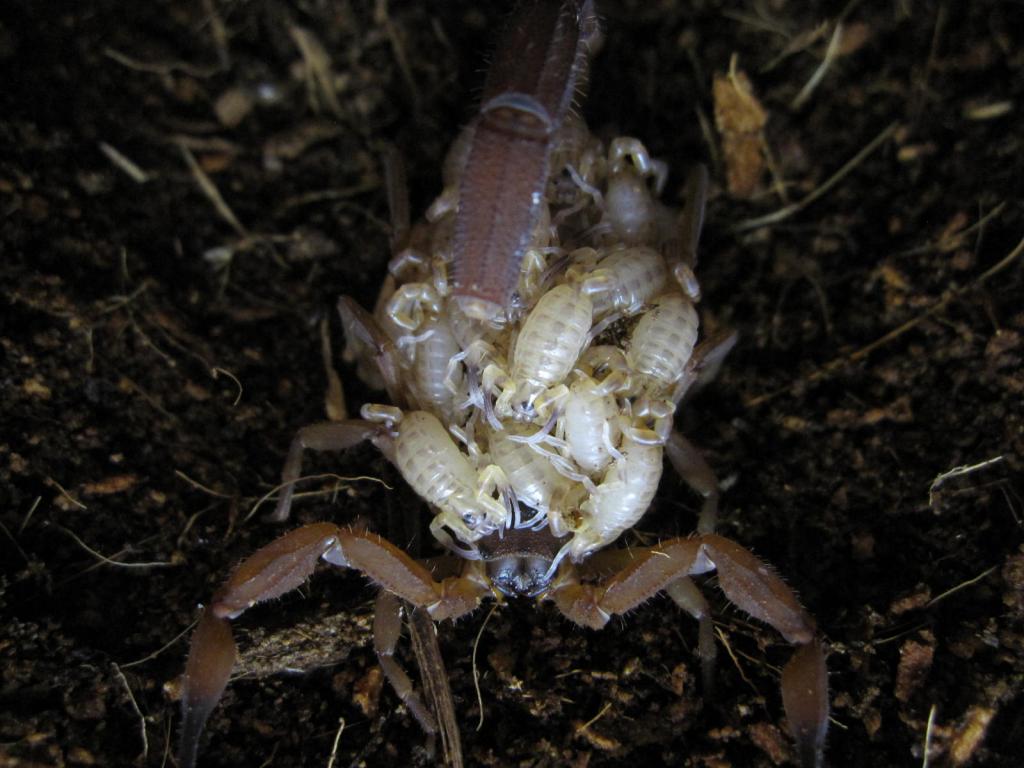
831	367
319	74
476	672
784	213
266	497
28	515
117	563
167	743
159	67
962	585
14	541
162	648
735	661
382	17
819	73
218	370
956	472
595	718
928	737
66	495
142	721
436	684
949	242
213	194
337	740
199	486
131	170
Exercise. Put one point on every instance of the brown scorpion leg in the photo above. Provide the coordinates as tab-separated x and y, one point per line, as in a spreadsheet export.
687	595
704	364
360	325
749	584
324	436
284	565
387	629
439	716
691	218
690	465
683	591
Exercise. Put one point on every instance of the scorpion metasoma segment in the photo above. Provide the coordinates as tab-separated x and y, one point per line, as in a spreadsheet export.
532	395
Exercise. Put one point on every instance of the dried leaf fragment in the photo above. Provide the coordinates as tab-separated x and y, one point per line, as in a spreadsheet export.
110	485
740	120
970	735
915	663
366	691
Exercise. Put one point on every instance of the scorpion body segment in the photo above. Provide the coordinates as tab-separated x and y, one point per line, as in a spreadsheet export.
432	464
539	63
432	354
620	500
531	475
635	276
662	342
553	336
532	396
590	426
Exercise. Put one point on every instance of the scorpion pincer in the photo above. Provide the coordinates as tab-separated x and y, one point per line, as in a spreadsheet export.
533	395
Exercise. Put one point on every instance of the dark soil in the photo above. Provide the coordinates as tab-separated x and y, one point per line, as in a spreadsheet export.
157	359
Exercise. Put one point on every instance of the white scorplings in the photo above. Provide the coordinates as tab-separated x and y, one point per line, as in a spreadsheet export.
555	415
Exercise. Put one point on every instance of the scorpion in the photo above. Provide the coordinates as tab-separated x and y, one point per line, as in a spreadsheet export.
536	334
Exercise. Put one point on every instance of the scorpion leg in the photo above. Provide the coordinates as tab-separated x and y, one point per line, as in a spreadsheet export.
387	629
323	436
687	595
397	187
679	243
690	465
683	591
749	584
704	364
360	325
691	219
283	565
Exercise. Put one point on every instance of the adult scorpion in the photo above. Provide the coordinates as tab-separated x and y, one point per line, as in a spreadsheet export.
535	336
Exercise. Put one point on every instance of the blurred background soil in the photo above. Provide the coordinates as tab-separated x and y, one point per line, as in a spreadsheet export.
185	189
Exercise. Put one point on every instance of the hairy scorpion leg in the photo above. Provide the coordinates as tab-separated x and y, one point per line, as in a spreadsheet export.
360	325
691	218
284	565
387	629
691	466
323	436
748	583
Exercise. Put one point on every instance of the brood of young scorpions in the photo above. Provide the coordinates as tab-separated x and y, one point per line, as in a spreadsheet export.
536	334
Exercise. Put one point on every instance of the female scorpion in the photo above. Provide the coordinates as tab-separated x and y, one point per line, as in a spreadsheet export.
536	335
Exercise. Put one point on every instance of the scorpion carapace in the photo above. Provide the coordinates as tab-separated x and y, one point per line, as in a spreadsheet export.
532	416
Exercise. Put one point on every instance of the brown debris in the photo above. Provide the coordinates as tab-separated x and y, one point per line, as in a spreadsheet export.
915	663
770	739
740	120
911	602
970	734
1013	577
366	691
232	106
110	485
